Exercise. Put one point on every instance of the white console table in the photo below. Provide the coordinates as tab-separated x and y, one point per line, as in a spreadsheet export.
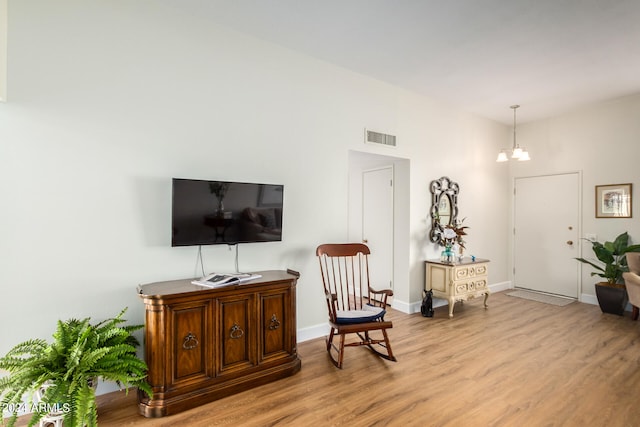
457	281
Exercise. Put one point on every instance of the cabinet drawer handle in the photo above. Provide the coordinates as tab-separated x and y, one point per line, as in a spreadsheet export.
275	323
190	342
235	332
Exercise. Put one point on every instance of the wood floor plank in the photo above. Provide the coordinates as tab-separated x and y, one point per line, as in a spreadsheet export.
517	363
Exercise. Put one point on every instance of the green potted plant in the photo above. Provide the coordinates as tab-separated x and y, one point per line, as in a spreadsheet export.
65	372
612	295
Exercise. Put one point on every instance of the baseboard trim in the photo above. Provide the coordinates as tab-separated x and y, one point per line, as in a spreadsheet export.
414	307
589	299
402	306
502	286
313	332
321	330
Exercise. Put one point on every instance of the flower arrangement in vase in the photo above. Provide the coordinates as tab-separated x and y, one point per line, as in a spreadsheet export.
453	234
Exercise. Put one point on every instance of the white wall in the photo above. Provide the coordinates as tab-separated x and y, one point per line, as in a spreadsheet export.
602	141
110	100
3	49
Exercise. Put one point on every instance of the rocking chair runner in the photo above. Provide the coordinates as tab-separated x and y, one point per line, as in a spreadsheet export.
354	307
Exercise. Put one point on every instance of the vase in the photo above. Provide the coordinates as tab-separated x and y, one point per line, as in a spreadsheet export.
447	255
55	413
612	298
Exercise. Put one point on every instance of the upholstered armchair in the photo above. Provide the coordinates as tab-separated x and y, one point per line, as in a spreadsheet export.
632	282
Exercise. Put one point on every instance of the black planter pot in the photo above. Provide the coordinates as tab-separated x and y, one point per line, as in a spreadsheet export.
612	298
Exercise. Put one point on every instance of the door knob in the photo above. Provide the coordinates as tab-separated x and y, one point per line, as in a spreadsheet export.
569	242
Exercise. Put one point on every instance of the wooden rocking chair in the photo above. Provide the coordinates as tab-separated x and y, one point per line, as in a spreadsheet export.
354	307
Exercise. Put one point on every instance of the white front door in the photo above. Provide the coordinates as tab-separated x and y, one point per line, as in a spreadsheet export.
546	222
377	224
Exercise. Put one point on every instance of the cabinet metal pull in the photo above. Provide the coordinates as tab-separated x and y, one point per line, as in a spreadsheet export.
235	332
190	342
275	323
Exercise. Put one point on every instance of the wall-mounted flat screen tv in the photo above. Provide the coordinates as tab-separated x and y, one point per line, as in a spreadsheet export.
223	212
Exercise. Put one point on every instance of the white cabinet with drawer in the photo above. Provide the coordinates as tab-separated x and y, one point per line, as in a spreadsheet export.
457	281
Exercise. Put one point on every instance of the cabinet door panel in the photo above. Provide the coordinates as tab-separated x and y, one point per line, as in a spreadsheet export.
273	326
189	328
235	334
438	277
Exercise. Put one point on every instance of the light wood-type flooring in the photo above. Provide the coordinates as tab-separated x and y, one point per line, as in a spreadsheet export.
517	363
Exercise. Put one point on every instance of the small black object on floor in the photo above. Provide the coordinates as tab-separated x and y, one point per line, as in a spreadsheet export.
427	304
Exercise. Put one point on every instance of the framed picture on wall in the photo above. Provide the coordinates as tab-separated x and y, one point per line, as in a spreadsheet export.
613	201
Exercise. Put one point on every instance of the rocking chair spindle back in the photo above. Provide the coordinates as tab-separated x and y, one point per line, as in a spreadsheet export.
354	306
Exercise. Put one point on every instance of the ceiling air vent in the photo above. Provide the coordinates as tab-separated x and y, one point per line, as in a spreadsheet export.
380	138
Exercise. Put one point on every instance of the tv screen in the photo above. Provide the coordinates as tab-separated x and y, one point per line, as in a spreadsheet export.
222	212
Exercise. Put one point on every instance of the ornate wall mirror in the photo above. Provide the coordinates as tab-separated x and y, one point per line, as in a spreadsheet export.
444	206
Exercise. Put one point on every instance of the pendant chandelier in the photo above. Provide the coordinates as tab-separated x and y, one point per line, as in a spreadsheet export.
517	153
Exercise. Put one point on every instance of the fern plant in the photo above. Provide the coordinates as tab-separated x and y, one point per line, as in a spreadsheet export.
70	367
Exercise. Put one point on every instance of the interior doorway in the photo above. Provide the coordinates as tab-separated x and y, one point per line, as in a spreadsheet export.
546	233
359	163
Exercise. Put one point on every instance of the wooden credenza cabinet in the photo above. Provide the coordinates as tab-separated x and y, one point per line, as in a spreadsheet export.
457	281
206	343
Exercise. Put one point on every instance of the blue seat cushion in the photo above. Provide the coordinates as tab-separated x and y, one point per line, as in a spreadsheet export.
369	313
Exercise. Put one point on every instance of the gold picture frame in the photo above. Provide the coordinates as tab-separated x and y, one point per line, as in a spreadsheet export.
613	201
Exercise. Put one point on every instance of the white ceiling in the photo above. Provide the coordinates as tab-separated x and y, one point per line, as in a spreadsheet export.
549	56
